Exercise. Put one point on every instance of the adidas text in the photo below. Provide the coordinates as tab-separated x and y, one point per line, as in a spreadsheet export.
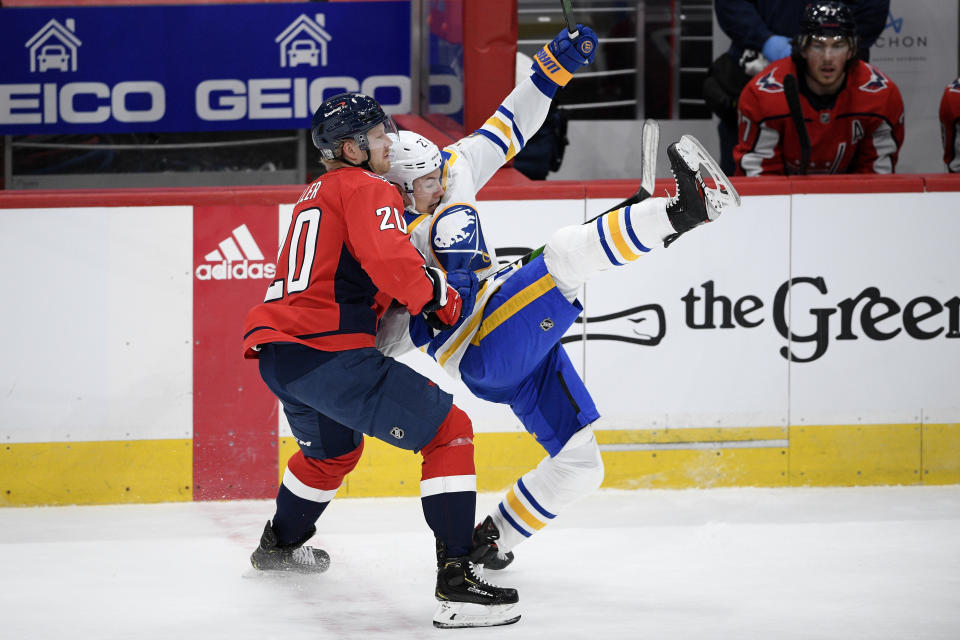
243	270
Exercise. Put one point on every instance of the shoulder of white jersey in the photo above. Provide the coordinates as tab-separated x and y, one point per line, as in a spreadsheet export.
413	219
456	239
449	157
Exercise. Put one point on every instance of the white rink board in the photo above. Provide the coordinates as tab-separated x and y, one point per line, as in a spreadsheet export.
695	376
98	324
906	248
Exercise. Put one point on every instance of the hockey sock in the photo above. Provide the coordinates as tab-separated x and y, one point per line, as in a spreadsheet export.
294	516
448	485
309	484
575	253
537	497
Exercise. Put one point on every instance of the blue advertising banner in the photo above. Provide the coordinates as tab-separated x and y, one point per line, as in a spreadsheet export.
196	67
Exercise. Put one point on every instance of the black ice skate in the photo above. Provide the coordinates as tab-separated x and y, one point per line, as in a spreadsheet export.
467	600
695	203
295	557
485	549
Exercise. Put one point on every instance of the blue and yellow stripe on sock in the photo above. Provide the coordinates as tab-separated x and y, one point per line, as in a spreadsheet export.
619	241
523	512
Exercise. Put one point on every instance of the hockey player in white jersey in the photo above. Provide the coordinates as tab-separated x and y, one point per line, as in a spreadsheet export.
506	349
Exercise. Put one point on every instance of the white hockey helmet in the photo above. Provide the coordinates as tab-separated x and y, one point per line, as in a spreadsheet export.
411	156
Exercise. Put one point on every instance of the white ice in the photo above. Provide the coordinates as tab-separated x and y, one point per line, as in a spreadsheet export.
843	563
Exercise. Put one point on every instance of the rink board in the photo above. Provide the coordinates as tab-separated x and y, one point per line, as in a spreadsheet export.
123	382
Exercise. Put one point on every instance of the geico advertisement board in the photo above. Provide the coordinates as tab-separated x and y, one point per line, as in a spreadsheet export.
196	68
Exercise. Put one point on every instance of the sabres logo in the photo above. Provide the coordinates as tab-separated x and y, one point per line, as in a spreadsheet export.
586	47
457	241
768	83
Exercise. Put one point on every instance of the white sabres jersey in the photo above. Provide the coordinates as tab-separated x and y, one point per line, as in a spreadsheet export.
452	238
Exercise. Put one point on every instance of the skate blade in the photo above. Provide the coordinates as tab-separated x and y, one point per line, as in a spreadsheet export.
461	615
724	195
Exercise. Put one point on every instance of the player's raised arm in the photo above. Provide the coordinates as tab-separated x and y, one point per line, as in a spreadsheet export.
523	111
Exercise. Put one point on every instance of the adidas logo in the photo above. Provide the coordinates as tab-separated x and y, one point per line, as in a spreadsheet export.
237	258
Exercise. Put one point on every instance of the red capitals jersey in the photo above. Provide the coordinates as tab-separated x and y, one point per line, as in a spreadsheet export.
346	255
949	122
859	130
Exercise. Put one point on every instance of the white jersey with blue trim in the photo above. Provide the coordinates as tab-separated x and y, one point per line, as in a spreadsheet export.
452	238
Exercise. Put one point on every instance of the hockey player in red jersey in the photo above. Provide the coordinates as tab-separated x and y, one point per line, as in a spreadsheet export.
851	112
950	125
344	259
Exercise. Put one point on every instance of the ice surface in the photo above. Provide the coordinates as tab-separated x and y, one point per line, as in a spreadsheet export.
850	563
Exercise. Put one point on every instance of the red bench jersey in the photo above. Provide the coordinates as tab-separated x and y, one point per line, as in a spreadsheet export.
949	122
860	132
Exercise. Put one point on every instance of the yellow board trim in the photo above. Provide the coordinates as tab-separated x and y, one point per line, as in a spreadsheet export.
146	471
848	455
107	472
501	458
516	302
689	435
524	513
941	454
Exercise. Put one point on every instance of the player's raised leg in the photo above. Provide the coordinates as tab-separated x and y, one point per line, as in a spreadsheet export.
575	253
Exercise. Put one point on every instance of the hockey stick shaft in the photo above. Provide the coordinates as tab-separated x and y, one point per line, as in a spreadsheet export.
649	145
571	25
792	93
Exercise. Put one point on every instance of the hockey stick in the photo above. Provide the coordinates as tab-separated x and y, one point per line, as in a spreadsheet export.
791	92
649	145
567	10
